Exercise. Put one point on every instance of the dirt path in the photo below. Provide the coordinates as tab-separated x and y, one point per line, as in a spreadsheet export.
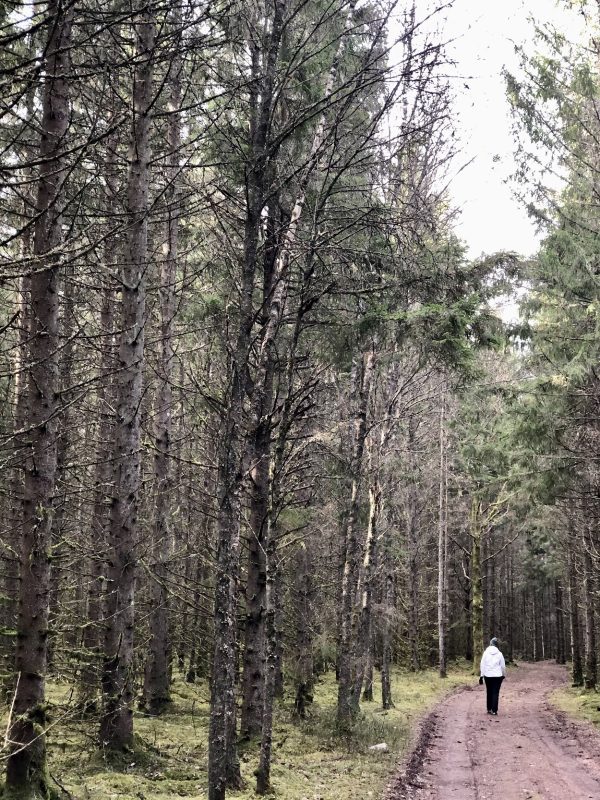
529	751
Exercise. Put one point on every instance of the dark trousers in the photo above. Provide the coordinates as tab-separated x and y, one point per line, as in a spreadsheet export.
492	687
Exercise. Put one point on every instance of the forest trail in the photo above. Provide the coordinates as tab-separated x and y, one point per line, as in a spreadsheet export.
530	751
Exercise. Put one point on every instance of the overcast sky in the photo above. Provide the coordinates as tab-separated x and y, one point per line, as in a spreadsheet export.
484	33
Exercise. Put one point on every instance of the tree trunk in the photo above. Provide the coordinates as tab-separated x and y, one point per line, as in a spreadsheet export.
534	624
561	656
116	727
492	598
157	674
195	647
278	685
223	684
476	589
413	548
365	622
272	595
510	604
574	626
93	632
442	587
11	539
303	611
591	662
468	618
348	702
26	775
389	611
222	707
10	600
263	773
253	676
89	677
62	511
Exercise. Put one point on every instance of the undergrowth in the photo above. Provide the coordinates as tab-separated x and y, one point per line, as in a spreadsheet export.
578	702
310	762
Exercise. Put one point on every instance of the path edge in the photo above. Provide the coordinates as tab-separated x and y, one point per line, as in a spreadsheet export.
407	772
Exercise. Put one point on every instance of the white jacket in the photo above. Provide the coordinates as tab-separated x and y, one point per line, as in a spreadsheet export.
492	663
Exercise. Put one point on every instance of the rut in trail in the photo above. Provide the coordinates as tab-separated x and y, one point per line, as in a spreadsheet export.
530	751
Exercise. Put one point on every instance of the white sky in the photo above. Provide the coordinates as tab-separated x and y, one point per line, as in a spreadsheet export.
483	34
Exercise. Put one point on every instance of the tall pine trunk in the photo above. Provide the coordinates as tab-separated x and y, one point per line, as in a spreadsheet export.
231	456
116	727
591	658
9	601
348	702
26	774
561	656
365	622
389	608
304	624
263	773
476	533
574	626
412	546
442	587
11	543
92	633
253	676
157	672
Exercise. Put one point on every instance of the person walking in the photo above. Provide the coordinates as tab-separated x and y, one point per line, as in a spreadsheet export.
493	672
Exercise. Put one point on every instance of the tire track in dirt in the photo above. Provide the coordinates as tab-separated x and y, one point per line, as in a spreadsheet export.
530	751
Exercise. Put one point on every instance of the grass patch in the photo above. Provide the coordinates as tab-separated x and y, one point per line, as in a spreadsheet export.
309	761
578	703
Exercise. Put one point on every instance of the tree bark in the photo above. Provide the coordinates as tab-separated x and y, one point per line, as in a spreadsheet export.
93	632
468	618
263	773
157	673
574	626
231	457
253	676
303	612
365	622
442	587
116	727
11	544
348	702
561	657
10	600
89	682
26	775
591	659
389	609
62	512
413	548
476	587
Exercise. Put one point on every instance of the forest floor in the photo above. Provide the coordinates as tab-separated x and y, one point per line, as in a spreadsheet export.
531	751
310	762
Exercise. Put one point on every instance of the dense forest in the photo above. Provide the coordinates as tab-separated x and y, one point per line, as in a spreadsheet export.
260	417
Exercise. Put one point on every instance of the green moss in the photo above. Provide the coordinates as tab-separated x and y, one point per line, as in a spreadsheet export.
169	759
578	702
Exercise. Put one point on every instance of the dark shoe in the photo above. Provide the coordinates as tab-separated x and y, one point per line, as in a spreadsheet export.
495	713
490	712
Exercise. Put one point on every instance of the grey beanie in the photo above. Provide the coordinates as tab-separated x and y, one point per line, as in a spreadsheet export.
494	642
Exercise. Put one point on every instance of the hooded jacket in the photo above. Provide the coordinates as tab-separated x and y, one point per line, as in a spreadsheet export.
492	663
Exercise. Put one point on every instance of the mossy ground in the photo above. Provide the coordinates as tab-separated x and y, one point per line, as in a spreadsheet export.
309	761
578	703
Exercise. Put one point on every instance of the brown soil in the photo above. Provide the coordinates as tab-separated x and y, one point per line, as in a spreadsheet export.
530	751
